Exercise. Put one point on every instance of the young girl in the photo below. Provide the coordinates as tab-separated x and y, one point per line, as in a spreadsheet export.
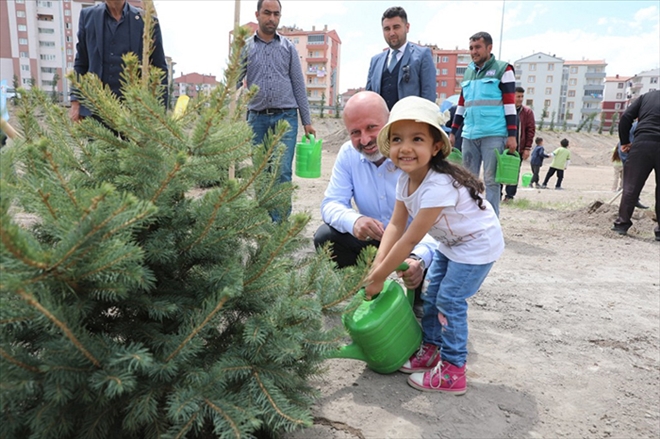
444	200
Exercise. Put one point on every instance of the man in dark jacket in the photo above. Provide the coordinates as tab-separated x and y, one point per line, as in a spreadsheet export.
643	156
105	33
526	132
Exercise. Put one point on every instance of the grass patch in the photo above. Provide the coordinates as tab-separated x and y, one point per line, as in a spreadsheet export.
526	204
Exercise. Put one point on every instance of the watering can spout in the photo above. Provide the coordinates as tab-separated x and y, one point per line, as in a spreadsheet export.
351	351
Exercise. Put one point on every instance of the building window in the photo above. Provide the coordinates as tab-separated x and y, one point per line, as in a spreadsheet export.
68	25
22	41
532	67
24	55
547	103
44	30
25	67
654	80
617	106
20	1
443	96
296	40
26	81
44	4
46	43
572	81
549	78
48	69
69	39
460	71
551	67
571	93
548	90
619	85
570	104
443	83
445	59
530	90
316	39
47	57
22	28
574	69
529	103
444	71
619	95
67	12
531	79
20	14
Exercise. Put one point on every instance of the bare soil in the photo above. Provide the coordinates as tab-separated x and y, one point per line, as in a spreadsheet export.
564	333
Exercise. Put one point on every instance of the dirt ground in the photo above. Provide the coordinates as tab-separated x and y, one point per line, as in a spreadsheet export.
564	333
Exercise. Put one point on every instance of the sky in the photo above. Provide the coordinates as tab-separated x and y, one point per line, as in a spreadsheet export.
626	34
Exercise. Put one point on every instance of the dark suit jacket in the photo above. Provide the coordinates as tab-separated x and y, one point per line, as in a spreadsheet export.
417	74
89	58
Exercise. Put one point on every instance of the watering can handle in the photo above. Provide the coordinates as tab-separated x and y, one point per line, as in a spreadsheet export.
310	137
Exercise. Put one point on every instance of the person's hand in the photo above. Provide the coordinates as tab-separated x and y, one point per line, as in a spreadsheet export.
368	229
74	111
626	147
452	139
310	130
373	288
525	154
413	276
511	144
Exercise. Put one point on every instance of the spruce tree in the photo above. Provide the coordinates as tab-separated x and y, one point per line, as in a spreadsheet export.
136	304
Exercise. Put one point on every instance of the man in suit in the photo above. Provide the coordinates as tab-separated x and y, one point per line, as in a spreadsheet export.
106	32
406	69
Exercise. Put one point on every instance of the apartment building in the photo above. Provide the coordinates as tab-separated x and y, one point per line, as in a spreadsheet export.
616	96
566	90
320	54
584	92
193	84
644	82
541	76
450	68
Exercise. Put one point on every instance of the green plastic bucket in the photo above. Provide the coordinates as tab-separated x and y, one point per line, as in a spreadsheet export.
508	167
526	179
308	157
455	156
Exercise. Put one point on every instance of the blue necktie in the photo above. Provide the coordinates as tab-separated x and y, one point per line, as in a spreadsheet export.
393	60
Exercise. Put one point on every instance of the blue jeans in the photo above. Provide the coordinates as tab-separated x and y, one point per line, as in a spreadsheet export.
450	285
261	124
477	150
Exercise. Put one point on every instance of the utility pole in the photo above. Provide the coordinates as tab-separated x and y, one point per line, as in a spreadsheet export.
499	53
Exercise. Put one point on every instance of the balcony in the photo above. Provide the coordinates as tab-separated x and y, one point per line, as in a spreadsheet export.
323	84
592	98
313	47
594	75
594	88
323	59
590	110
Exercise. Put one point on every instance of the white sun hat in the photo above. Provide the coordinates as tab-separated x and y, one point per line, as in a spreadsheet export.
419	110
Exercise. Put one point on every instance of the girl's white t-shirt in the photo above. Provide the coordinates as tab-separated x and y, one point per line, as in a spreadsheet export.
465	233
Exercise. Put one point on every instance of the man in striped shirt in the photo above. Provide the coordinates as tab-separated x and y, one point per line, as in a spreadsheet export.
487	113
272	63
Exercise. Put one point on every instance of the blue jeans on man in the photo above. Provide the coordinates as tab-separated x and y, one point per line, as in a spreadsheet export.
261	124
450	285
476	151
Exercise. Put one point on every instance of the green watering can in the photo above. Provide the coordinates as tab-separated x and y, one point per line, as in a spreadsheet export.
455	156
308	157
526	179
508	167
384	330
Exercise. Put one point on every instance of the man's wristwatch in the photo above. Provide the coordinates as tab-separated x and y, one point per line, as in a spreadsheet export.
420	260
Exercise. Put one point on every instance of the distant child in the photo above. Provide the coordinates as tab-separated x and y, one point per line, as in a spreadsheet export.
617	164
537	162
561	157
444	200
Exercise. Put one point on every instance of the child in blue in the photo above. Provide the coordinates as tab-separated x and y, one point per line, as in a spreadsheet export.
444	200
537	161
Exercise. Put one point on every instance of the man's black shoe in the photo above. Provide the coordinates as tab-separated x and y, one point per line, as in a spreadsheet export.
621	230
640	205
657	235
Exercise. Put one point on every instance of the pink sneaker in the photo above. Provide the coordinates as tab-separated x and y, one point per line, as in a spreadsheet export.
426	358
445	377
